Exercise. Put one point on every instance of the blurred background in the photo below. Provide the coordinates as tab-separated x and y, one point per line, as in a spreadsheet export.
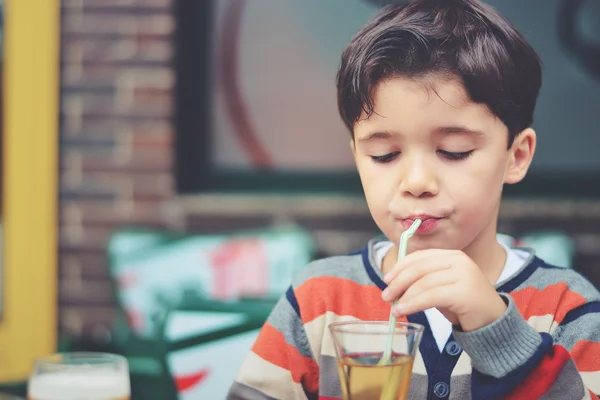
169	165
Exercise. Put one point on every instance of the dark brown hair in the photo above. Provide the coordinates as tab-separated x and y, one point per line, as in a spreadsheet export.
464	39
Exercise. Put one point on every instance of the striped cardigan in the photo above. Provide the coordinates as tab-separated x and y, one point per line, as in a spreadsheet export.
546	345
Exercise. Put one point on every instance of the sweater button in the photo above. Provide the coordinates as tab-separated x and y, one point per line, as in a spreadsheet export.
441	389
453	348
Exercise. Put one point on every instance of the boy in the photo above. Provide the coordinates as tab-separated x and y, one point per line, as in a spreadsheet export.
439	98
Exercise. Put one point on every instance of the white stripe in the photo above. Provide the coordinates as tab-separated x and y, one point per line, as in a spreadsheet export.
591	380
270	379
463	365
419	365
543	323
587	395
318	334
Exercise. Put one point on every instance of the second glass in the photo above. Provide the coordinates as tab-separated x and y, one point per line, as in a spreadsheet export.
77	376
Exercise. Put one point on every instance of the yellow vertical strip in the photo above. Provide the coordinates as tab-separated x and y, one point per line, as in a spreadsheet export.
31	90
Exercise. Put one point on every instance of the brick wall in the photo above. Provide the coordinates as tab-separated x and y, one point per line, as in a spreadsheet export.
115	140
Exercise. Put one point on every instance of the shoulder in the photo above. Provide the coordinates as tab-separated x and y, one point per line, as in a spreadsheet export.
344	285
349	267
548	296
359	266
547	276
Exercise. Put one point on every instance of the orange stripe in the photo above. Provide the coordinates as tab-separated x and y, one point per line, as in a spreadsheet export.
556	300
586	356
342	297
272	347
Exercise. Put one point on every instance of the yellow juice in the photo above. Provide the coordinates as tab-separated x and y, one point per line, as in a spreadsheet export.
362	379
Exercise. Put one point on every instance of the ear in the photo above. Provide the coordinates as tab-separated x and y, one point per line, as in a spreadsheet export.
353	147
520	156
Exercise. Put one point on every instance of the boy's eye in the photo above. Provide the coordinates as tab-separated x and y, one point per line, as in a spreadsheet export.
386	158
448	155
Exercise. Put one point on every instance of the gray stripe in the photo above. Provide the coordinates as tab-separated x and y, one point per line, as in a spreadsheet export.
544	277
285	320
371	254
418	387
567	385
329	380
585	327
460	387
347	267
239	391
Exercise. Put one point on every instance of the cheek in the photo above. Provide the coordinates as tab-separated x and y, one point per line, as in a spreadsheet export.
480	188
378	188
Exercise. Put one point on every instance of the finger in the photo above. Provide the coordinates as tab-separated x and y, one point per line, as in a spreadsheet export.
439	297
412	259
408	276
428	282
415	259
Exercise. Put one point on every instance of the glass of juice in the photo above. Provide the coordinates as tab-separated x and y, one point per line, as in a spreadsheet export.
80	376
366	370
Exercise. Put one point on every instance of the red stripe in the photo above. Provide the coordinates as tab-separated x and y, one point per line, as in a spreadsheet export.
593	395
586	355
272	347
542	378
556	299
342	297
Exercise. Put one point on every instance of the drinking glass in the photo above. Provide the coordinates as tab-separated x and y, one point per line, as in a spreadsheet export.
80	376
364	371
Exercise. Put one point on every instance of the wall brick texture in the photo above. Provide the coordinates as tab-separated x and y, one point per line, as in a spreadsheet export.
116	153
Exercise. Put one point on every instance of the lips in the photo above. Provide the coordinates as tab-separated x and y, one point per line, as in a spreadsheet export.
428	222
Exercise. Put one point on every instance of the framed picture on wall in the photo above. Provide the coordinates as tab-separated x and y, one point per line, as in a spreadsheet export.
256	95
256	103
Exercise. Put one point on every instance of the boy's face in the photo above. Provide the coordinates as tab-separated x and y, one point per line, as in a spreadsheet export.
428	151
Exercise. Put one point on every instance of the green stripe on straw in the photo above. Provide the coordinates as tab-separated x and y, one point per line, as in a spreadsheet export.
387	354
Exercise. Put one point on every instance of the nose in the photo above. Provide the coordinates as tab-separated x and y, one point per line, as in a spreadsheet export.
418	177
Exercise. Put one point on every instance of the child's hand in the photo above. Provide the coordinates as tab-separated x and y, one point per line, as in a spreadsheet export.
448	280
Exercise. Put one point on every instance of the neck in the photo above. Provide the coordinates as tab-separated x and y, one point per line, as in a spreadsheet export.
489	255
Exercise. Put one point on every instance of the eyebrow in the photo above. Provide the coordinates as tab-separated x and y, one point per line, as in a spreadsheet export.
374	136
457	129
448	130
